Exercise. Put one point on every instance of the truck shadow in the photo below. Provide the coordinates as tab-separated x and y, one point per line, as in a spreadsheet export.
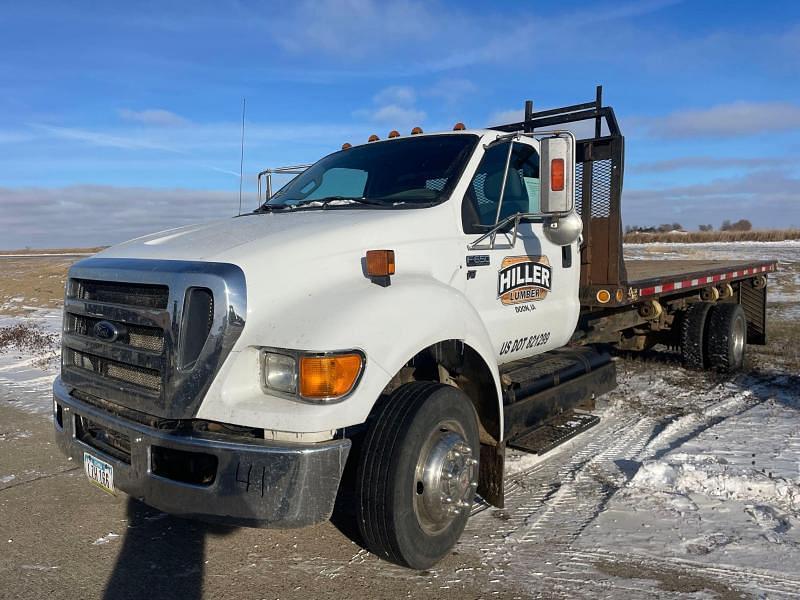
161	556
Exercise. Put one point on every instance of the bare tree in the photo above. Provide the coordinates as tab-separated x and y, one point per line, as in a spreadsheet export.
740	225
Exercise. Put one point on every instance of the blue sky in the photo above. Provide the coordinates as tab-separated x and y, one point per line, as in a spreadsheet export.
120	119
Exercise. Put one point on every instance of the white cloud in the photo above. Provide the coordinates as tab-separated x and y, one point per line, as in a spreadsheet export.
501	117
91	215
768	199
353	28
705	163
403	95
725	120
395	107
153	116
97	138
412	36
452	91
399	116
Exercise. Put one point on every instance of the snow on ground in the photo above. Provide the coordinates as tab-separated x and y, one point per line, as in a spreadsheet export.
26	378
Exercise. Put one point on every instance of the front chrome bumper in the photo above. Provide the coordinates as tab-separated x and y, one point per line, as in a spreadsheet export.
258	483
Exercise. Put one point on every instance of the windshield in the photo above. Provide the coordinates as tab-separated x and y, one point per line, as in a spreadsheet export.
407	172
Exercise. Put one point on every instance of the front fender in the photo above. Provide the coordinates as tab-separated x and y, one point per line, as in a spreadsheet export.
389	324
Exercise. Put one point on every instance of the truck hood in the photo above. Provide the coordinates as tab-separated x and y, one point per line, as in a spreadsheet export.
224	240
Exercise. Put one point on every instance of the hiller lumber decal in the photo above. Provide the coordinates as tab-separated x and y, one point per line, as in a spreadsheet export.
523	279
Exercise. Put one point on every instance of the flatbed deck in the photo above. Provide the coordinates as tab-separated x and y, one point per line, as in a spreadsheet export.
654	277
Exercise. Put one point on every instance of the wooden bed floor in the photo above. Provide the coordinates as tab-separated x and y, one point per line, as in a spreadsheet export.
644	270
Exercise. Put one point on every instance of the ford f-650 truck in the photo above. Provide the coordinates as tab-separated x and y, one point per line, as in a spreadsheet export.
402	310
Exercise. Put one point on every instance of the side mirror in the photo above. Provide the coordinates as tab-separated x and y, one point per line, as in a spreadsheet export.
557	169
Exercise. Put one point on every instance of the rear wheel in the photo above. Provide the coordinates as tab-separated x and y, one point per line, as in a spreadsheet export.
691	330
417	474
726	337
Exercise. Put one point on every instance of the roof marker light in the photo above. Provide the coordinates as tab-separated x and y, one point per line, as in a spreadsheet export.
459	126
346	145
416	130
394	133
373	138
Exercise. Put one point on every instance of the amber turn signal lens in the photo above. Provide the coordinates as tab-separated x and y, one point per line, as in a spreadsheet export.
329	376
380	263
557	175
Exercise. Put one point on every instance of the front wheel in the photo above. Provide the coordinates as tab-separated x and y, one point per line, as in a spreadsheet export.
418	473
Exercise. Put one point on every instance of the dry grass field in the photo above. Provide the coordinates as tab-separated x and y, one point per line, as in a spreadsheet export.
29	282
699	237
50	251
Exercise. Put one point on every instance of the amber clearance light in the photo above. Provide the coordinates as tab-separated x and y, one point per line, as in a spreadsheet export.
327	377
380	263
557	175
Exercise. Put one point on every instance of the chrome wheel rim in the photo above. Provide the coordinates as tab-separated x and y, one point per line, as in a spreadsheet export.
738	337
445	477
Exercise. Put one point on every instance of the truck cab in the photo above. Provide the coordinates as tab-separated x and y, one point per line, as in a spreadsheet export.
400	310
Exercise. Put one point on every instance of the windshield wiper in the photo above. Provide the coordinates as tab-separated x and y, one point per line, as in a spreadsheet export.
327	200
271	207
323	202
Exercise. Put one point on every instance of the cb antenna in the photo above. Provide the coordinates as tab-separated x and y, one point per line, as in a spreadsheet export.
241	158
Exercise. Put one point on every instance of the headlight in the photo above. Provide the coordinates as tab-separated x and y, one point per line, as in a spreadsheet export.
280	372
313	377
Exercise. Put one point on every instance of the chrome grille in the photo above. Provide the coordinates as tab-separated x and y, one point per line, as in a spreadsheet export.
144	295
98	365
136	336
136	355
150	335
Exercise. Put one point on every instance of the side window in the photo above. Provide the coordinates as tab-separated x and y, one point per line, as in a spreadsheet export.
337	182
479	207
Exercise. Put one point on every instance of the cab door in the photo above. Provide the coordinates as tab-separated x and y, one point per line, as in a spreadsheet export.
524	287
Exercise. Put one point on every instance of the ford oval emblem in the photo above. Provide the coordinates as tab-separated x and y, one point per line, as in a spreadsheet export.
106	331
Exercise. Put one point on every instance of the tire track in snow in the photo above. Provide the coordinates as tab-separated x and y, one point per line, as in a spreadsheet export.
552	502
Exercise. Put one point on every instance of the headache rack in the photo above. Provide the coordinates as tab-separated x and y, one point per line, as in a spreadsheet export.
599	164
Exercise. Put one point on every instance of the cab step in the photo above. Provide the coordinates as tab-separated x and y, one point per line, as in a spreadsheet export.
554	432
544	387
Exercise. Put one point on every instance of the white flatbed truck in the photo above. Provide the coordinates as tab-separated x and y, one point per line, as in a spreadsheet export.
400	312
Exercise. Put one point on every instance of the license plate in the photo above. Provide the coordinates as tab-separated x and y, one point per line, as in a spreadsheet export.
99	472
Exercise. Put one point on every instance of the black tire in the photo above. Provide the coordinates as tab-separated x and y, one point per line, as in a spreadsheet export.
388	489
726	337
692	335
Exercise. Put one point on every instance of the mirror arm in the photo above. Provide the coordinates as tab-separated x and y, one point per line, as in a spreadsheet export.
516	218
